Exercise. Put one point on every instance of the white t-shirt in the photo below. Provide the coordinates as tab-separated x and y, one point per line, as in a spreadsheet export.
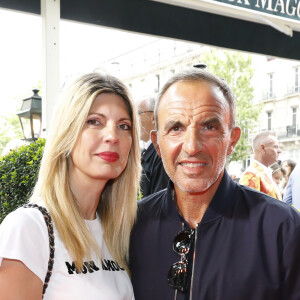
24	237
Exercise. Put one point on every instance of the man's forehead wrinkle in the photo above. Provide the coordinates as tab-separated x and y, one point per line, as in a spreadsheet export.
193	120
192	104
194	111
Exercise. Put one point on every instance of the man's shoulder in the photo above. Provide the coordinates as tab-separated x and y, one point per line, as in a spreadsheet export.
251	194
254	169
152	202
250	178
265	205
149	151
253	173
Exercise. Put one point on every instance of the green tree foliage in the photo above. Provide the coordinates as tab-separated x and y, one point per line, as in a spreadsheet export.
236	69
18	173
10	129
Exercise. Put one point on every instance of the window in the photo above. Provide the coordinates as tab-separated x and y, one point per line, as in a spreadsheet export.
270	88
294	116
269	114
157	83
297	85
246	163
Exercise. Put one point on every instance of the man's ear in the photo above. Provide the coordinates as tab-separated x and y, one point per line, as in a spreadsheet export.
154	140
234	138
153	120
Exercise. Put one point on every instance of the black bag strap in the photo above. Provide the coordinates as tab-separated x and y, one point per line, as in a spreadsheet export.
49	224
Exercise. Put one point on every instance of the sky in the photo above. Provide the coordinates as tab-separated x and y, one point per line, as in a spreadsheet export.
82	48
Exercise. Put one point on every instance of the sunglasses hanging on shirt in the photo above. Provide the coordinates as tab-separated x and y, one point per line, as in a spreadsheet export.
178	275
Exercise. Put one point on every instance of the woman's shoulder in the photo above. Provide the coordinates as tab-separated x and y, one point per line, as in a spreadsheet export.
24	224
23	217
24	237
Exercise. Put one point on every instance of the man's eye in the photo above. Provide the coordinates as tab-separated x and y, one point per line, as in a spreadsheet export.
93	122
175	128
209	127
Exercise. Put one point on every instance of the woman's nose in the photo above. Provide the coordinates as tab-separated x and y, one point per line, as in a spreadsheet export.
110	134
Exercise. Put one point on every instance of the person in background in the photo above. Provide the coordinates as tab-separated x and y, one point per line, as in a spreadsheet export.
259	174
291	194
206	236
278	176
288	166
88	181
154	177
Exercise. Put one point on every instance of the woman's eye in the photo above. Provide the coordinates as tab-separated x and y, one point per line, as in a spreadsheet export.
125	127
93	122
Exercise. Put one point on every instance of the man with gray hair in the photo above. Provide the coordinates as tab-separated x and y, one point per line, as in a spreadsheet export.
206	237
154	177
258	175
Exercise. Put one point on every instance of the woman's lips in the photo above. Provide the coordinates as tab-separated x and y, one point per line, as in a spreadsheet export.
109	156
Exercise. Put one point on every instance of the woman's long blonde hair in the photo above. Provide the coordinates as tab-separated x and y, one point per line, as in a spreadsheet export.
117	206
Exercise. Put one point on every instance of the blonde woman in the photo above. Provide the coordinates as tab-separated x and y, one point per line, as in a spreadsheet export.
88	181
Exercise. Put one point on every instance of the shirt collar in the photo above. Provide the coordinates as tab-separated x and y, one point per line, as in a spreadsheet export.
266	169
221	203
147	144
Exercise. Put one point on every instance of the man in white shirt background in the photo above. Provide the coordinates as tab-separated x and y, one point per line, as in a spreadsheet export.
258	175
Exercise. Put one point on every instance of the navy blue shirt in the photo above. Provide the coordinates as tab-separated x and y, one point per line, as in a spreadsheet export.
154	177
247	247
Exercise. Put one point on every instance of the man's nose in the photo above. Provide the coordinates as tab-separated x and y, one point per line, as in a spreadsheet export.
192	142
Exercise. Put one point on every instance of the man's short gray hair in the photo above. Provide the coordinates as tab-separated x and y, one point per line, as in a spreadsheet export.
149	102
261	138
199	75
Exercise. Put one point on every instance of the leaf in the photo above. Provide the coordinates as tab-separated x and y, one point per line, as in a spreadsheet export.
18	173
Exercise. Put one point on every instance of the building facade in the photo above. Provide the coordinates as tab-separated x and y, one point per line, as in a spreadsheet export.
276	84
147	68
278	90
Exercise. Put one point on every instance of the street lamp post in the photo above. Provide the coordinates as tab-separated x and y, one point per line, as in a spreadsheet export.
31	117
